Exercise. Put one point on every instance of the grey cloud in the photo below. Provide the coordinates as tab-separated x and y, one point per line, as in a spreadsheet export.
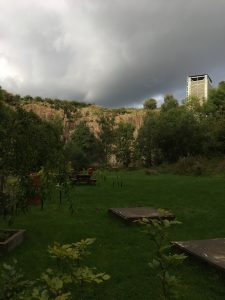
114	53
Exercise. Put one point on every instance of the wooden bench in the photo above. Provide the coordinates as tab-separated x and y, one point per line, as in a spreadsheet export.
83	179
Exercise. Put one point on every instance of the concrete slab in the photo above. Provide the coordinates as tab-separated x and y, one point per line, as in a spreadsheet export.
211	251
135	213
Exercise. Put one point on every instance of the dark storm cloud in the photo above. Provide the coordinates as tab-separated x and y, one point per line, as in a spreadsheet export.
113	53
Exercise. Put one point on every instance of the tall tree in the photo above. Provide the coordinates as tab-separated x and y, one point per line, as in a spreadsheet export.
179	133
146	148
106	135
124	143
217	99
84	149
169	103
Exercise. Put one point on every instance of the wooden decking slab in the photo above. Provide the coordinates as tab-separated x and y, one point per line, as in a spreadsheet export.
135	213
211	251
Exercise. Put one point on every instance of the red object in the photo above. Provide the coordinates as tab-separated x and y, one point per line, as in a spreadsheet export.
36	200
36	179
90	171
36	182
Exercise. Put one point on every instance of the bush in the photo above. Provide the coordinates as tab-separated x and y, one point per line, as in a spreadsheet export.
189	166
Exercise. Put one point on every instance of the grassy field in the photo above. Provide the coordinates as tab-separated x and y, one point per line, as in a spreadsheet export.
122	250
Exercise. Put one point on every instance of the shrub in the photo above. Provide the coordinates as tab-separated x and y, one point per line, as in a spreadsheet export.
13	286
189	166
67	281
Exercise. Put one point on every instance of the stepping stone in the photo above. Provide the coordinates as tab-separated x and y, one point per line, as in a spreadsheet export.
135	213
211	251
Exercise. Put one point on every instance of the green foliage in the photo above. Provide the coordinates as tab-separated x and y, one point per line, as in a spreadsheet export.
106	135
146	148
83	149
54	284
164	261
7	119
70	256
64	187
194	104
12	283
189	166
1	94
76	251
11	203
217	99
69	106
169	103
47	185
33	144
172	134
150	104
13	100
120	111
179	133
124	143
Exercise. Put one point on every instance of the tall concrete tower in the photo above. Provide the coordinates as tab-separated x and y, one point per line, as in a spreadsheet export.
198	86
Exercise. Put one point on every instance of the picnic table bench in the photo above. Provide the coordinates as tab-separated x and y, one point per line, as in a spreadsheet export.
83	178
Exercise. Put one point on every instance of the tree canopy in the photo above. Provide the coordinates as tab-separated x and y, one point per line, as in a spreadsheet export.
84	149
169	103
150	104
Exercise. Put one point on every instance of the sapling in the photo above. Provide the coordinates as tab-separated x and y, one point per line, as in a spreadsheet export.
69	276
164	261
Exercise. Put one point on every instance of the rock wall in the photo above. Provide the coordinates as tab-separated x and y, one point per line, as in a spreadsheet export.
88	114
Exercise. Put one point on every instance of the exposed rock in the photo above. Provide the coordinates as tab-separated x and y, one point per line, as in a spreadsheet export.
88	114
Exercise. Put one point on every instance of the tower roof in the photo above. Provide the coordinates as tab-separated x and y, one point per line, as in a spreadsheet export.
201	75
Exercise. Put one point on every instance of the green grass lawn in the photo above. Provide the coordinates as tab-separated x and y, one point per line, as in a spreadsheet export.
122	250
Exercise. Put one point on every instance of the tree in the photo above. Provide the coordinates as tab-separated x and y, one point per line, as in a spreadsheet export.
7	117
179	133
27	144
222	85
217	99
145	144
172	134
215	135
83	148
169	103
150	104
124	143
193	103
1	94
106	135
35	143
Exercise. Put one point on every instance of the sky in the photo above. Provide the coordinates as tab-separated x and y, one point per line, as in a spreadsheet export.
115	53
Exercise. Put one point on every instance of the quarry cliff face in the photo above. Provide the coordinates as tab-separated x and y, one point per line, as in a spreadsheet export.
89	114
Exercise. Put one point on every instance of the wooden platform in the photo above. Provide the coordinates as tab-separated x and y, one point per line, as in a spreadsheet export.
211	251
135	213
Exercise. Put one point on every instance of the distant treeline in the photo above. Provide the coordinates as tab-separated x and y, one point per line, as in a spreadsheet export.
14	100
175	132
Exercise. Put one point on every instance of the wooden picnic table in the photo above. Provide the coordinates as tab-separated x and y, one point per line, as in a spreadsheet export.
84	178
